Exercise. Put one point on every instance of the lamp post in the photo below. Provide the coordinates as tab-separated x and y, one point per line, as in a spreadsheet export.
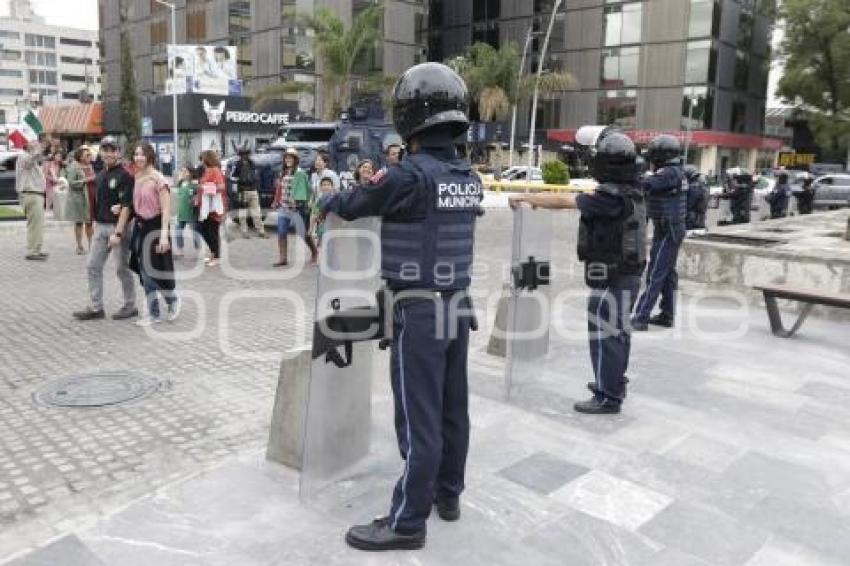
528	37
692	102
537	84
171	6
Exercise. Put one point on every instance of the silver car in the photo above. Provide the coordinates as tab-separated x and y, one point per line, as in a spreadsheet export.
832	191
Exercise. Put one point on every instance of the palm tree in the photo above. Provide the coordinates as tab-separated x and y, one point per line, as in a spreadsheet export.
340	50
491	76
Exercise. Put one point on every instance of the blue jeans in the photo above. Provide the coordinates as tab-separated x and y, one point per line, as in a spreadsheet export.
152	290
178	234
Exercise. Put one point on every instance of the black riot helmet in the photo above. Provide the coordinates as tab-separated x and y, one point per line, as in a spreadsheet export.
430	95
615	160
662	149
691	173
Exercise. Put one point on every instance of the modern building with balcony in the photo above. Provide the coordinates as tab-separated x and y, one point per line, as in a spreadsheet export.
43	64
697	69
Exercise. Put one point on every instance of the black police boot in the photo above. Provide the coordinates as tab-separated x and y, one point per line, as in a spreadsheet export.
448	509
596	406
662	320
639	326
378	535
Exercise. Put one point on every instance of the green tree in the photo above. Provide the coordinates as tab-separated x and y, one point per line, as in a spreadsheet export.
340	50
491	75
816	52
129	102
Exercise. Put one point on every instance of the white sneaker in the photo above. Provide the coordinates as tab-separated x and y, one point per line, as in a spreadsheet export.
147	321
174	310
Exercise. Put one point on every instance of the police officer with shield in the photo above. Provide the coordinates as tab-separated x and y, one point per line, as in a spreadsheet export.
612	245
428	203
666	190
739	189
698	195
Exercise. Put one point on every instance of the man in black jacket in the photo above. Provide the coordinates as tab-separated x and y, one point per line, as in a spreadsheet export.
246	178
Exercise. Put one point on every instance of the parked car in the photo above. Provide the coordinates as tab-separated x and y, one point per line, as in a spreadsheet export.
8	195
832	191
522	173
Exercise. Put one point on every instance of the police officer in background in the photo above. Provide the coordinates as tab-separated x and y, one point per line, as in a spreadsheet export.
666	190
428	203
779	197
612	245
698	196
739	191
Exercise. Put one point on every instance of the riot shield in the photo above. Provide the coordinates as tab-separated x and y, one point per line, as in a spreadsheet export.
527	337
337	424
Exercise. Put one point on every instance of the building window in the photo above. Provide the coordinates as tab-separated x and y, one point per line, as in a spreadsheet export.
43	77
41	59
548	115
739	116
435	15
746	22
485	10
486	33
697	108
70	95
75	60
704	20
44	41
244	64
742	69
623	24
239	16
9	34
160	73
43	93
620	67
11	73
701	62
196	21
11	92
618	107
77	42
159	31
10	55
74	78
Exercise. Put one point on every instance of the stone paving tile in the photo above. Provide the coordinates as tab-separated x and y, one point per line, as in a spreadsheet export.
67	551
543	472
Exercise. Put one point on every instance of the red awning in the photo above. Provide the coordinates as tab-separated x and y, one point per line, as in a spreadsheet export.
76	119
698	137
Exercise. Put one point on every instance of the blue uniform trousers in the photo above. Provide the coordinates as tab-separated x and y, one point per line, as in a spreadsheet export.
662	278
608	311
429	383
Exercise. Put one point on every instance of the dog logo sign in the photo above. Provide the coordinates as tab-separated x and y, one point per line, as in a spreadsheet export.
214	113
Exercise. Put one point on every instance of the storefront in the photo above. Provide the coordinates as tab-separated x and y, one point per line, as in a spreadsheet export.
73	124
220	123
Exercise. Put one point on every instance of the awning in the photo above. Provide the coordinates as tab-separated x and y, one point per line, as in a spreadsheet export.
73	119
731	140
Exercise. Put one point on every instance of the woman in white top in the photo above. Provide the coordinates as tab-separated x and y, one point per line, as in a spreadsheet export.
320	169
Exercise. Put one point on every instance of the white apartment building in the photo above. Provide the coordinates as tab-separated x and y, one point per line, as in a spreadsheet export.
44	64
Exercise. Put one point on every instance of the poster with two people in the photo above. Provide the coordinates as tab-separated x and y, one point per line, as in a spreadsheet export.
203	69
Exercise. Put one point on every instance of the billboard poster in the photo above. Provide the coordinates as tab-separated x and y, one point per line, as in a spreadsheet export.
203	69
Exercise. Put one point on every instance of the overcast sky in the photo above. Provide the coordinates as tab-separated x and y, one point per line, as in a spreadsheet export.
72	13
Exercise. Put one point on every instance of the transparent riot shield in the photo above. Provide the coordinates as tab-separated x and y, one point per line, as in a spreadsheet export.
337	424
527	337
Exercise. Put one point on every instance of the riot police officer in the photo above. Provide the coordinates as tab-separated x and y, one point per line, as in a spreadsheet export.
739	189
612	245
698	196
428	203
666	191
779	197
806	197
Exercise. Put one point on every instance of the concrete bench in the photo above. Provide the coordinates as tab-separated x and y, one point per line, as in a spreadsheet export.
808	297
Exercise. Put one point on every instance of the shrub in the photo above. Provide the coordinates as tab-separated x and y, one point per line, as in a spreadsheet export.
555	173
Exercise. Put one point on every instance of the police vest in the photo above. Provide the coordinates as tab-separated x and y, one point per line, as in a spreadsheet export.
434	252
698	196
671	204
612	247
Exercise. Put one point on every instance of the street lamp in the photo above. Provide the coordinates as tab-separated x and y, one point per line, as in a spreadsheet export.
692	102
171	6
531	33
537	84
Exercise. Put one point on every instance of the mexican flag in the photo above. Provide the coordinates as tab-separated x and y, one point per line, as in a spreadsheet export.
28	130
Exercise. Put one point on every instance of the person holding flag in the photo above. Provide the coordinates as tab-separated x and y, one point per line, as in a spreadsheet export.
30	183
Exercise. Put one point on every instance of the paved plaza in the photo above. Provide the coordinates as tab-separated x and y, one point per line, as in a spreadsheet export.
733	447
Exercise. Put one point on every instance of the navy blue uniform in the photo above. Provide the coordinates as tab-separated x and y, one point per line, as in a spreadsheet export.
779	199
608	309
666	192
428	204
698	195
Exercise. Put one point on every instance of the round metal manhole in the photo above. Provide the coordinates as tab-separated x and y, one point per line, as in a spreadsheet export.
97	389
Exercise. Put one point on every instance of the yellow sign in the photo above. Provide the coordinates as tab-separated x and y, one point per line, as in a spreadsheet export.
791	159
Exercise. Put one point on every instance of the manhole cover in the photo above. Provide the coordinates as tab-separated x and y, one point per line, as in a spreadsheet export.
97	389
741	240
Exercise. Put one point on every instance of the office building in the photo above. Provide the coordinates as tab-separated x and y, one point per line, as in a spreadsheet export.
694	68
